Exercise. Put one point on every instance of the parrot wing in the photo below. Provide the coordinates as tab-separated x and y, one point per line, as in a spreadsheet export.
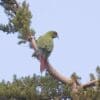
45	45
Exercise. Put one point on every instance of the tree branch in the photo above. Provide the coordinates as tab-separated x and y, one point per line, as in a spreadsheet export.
89	84
57	75
74	85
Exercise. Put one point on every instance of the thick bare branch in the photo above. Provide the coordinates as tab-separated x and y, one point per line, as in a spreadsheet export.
75	87
50	68
57	75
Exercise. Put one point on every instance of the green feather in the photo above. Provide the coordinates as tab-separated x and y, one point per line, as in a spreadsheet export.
45	43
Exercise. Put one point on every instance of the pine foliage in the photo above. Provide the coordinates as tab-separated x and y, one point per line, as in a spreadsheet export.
19	19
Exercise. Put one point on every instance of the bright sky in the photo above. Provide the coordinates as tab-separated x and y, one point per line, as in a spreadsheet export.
76	50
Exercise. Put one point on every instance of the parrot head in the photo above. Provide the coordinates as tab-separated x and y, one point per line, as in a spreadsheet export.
53	34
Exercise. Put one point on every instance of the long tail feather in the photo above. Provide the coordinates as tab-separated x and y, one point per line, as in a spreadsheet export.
43	63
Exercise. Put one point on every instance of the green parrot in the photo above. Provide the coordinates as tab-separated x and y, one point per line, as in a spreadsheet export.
45	46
